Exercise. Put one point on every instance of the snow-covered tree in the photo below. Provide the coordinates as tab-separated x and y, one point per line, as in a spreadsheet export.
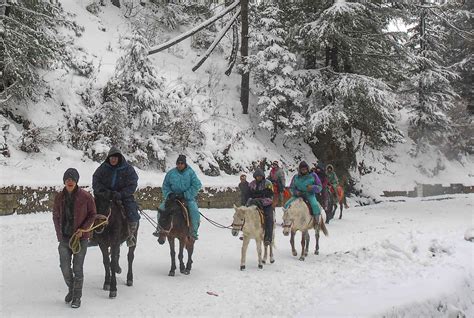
430	78
351	100
272	66
29	41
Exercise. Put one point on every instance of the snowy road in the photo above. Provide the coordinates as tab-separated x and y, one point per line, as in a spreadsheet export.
394	259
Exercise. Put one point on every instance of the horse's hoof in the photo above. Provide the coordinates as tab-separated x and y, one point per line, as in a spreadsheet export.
242	267
187	272
340	217
171	273
301	258
316	252
182	271
106	286
118	270
272	261
294	253
327	221
260	266
129	282
113	294
264	262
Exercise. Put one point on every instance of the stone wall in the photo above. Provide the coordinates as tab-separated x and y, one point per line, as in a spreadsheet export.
428	190
23	200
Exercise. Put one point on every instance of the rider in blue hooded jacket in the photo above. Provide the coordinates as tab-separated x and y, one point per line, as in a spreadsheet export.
116	179
182	183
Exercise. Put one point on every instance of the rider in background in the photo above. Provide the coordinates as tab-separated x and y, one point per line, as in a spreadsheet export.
277	177
323	195
305	185
244	189
115	179
261	194
333	181
182	183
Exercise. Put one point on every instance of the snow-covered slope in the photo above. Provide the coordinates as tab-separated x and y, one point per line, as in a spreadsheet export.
217	108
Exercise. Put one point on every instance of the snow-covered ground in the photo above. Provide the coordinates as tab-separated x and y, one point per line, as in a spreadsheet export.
392	259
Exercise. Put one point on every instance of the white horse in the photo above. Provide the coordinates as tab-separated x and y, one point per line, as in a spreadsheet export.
298	218
248	220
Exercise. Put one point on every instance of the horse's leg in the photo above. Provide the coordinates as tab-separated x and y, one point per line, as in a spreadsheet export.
340	208
106	260
307	239
180	256
258	241
243	255
316	250
265	255
114	254
272	260
292	242
130	257
303	244
189	264
172	254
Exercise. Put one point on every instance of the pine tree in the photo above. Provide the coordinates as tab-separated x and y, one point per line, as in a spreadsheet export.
430	78
351	101
29	41
272	66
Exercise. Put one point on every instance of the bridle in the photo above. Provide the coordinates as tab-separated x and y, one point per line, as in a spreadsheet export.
288	225
236	225
167	232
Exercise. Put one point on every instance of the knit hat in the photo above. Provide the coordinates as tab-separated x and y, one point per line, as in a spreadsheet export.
181	158
71	173
258	172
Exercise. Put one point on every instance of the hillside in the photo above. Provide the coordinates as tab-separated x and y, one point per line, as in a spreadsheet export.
229	142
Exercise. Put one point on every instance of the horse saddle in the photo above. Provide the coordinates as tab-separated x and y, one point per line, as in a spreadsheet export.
261	214
184	210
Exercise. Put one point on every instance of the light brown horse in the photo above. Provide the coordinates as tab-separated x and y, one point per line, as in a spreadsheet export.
298	218
249	221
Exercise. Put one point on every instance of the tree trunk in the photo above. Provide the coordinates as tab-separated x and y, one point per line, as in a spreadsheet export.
244	52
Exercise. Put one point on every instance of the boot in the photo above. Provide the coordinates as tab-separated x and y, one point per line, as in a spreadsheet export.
132	230
68	297
77	293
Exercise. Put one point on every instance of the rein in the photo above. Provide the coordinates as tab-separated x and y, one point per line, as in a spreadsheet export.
75	240
216	224
241	225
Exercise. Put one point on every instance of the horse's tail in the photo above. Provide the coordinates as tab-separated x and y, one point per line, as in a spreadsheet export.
322	225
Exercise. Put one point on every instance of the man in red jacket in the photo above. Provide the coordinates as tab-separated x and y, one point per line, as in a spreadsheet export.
74	209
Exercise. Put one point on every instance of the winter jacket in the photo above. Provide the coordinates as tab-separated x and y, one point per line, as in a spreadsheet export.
121	178
299	184
183	182
244	192
277	177
332	177
261	191
84	212
323	178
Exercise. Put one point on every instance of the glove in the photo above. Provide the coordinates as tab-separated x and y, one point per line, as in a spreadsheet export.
172	196
116	196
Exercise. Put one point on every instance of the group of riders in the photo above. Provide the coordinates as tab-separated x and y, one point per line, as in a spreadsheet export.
316	186
116	180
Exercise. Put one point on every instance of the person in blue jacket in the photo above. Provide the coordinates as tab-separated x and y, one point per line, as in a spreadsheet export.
182	183
305	185
115	179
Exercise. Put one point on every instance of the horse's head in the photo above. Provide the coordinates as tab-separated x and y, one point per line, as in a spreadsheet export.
239	219
288	221
166	220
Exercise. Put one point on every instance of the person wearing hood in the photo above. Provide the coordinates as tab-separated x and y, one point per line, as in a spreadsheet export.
333	180
261	195
115	179
277	177
182	183
323	195
305	185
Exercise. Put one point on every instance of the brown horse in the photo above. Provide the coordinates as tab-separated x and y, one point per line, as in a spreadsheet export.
110	238
175	224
